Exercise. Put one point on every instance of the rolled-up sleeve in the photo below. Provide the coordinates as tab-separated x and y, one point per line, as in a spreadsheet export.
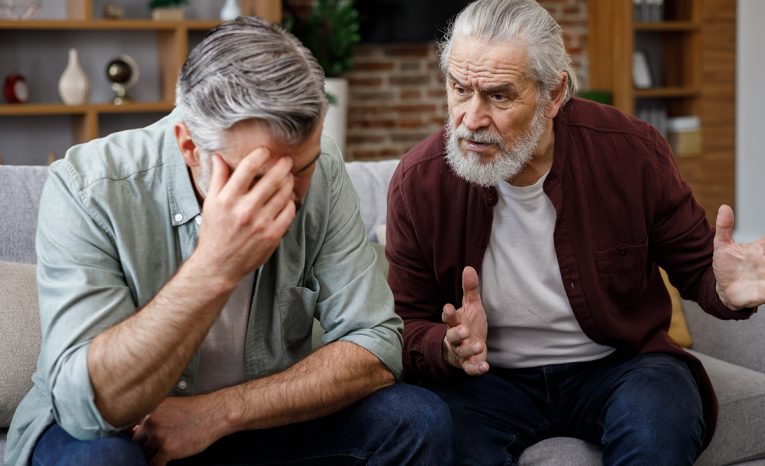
355	303
82	292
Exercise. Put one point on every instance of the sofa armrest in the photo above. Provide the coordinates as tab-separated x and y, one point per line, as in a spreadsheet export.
735	341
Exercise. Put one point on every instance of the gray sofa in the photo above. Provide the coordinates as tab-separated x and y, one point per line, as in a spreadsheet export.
732	352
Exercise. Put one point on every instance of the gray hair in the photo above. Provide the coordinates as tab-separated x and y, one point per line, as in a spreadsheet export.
503	21
250	69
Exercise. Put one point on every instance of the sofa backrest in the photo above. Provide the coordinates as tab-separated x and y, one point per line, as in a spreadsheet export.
21	186
20	189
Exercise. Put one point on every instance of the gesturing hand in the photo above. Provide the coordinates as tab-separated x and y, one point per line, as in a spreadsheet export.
246	213
464	345
739	267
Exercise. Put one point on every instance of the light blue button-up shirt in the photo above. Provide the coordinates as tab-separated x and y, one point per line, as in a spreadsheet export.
118	217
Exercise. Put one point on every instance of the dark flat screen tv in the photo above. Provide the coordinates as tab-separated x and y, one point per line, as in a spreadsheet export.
389	21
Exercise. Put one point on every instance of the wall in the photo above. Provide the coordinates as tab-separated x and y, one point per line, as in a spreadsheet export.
750	156
397	94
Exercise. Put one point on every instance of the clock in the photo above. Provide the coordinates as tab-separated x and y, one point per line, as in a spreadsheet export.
15	89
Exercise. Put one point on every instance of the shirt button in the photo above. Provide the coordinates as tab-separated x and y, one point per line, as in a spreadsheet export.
177	217
198	219
183	385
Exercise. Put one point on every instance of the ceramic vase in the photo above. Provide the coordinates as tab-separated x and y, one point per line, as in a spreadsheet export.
74	85
230	10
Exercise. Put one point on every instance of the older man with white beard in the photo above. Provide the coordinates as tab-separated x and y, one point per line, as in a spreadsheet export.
565	209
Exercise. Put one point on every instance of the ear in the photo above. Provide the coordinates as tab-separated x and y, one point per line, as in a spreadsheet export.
186	144
556	97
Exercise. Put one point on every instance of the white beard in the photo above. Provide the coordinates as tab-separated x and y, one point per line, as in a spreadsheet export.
508	161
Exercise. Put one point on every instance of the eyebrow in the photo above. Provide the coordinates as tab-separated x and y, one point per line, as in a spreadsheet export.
306	166
505	88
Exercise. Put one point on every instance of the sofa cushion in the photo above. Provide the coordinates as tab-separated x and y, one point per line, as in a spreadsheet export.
20	330
741	422
561	451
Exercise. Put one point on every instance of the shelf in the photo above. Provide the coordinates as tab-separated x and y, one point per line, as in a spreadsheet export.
20	123
667	92
107	25
61	109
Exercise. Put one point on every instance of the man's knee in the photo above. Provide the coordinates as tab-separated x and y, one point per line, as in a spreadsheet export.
419	412
657	408
57	447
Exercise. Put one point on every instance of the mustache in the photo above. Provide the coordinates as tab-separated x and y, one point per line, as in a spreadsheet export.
483	136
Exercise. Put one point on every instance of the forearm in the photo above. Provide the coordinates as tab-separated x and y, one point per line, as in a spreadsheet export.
133	365
326	381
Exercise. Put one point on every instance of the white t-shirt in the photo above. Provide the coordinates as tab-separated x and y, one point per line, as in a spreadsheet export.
531	322
221	362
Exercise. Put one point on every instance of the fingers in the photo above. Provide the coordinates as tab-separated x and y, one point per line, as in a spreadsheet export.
276	201
449	316
220	174
724	226
253	166
470	285
479	367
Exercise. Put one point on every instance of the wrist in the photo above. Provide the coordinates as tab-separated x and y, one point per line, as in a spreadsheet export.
217	281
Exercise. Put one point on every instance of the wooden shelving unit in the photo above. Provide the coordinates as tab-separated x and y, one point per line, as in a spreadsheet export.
172	43
614	35
698	40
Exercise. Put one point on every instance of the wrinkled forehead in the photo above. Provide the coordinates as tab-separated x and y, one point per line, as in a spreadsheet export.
477	63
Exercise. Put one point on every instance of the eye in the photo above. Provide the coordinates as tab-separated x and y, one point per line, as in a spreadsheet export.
459	90
499	98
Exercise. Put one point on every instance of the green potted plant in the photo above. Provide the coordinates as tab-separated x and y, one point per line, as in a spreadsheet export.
330	30
168	10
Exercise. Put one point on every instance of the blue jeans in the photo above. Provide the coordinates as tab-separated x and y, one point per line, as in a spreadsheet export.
398	425
643	410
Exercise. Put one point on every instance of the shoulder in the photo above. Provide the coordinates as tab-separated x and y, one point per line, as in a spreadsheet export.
120	155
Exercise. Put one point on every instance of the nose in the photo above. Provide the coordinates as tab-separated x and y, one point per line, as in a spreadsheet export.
476	114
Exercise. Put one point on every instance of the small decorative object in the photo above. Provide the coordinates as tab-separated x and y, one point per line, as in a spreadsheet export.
230	10
641	72
74	85
113	11
168	10
15	89
18	9
123	73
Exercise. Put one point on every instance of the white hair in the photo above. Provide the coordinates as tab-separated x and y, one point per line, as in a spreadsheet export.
525	21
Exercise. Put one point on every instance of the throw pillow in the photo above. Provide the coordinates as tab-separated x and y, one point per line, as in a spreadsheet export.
678	328
19	335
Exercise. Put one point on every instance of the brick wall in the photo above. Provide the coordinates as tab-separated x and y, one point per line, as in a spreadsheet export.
397	92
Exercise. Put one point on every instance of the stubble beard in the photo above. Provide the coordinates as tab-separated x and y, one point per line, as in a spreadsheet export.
506	163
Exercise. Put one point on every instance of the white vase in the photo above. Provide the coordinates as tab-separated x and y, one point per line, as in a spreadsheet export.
230	10
337	113
74	85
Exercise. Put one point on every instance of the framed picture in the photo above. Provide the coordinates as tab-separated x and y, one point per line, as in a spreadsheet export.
641	71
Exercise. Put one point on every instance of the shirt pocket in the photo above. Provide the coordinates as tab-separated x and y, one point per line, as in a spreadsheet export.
296	308
622	272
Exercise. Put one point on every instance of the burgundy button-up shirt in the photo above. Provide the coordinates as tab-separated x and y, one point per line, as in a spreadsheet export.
622	212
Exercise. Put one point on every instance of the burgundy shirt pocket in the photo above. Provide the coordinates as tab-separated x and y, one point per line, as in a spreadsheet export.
622	272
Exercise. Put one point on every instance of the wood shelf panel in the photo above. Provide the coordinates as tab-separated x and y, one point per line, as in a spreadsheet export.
98	108
97	25
667	92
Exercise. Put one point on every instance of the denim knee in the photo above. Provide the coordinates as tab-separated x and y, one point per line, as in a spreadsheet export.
421	423
57	447
656	413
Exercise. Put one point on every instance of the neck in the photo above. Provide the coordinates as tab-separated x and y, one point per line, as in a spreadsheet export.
540	163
